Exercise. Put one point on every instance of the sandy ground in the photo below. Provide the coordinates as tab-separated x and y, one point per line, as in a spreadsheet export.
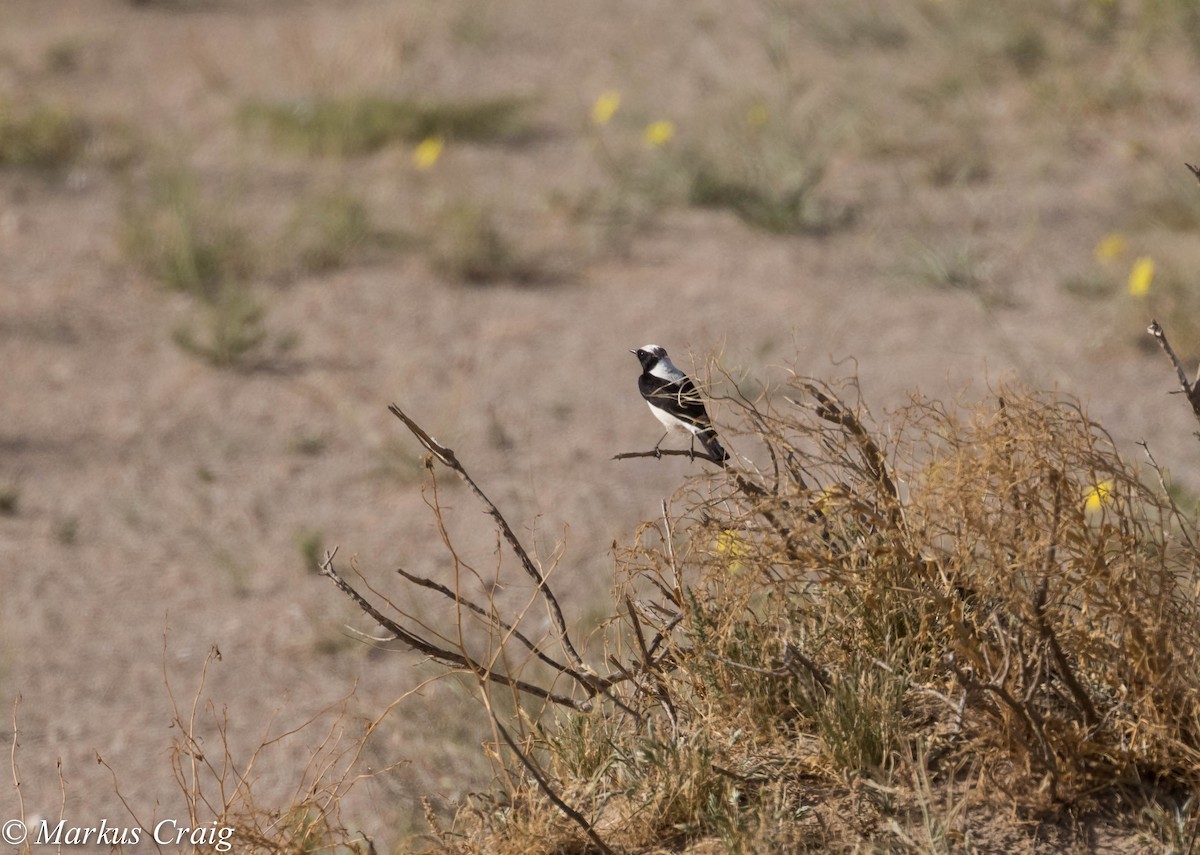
161	499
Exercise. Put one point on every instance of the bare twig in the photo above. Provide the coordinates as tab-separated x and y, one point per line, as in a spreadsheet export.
544	785
662	633
449	657
792	653
661	691
832	410
753	669
746	486
676	593
587	681
669	452
116	784
1190	389
636	624
1065	672
1184	525
448	458
1026	713
16	772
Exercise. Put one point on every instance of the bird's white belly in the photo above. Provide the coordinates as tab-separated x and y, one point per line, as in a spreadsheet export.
670	422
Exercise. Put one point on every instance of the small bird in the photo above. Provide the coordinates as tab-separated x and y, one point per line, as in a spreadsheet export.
673	399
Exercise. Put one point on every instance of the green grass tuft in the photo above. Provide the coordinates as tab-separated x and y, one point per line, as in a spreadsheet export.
467	244
329	231
185	242
232	333
311	544
10	498
66	530
769	169
345	127
796	206
43	137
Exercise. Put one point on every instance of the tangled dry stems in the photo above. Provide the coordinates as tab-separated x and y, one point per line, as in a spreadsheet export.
988	598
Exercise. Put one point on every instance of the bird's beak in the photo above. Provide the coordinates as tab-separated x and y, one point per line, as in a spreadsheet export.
634	352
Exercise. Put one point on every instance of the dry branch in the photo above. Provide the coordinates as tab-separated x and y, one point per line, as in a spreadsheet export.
454	658
454	653
668	452
448	458
544	785
1090	717
832	410
1191	390
750	488
586	681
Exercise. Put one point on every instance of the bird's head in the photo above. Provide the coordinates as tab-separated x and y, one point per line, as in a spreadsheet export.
649	355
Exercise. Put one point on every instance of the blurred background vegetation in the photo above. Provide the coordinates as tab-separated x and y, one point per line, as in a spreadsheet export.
232	231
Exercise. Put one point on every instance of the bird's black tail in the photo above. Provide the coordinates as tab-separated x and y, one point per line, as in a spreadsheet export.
708	438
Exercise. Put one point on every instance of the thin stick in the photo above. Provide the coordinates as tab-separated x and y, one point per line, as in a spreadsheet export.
668	452
16	772
447	458
588	682
832	410
1090	716
1189	389
575	816
449	657
116	785
1184	525
676	591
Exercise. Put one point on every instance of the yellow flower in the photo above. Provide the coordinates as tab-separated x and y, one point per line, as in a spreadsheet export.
731	546
1098	496
1110	247
426	154
757	115
659	133
1141	276
605	106
829	495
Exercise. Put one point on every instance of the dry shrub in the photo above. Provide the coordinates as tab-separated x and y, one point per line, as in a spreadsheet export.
219	786
860	625
997	582
1066	598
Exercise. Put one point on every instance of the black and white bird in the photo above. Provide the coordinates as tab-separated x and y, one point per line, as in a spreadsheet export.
673	399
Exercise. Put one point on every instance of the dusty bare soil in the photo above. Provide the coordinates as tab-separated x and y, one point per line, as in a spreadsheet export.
160	501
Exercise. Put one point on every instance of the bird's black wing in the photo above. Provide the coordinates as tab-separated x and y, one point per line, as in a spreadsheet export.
679	398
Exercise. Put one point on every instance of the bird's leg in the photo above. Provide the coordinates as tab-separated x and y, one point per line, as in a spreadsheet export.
657	453
692	450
